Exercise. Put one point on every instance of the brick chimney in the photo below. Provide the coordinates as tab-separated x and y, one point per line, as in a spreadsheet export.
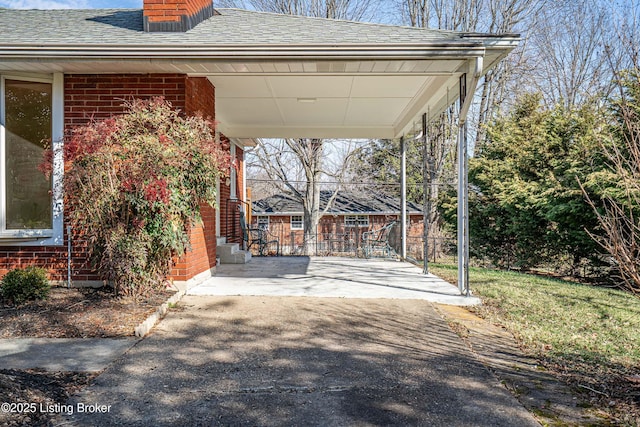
175	15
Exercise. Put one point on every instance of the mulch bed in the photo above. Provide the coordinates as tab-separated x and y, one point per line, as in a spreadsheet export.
78	313
67	313
32	393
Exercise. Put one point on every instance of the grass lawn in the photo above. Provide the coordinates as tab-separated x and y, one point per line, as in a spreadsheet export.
590	336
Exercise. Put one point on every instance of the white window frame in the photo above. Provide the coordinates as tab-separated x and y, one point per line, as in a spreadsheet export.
360	221
300	221
262	221
37	237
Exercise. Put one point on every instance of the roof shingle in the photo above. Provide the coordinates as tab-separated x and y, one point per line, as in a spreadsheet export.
345	203
227	27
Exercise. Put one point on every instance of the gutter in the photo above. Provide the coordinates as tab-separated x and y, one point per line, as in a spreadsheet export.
456	50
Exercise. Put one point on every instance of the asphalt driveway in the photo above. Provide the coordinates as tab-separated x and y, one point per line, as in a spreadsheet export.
291	361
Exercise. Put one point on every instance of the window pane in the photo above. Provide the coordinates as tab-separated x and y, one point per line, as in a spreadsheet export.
263	222
356	220
27	132
296	222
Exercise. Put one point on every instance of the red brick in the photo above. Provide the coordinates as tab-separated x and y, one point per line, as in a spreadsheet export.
98	96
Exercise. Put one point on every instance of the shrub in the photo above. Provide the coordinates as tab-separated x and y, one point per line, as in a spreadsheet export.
21	285
134	185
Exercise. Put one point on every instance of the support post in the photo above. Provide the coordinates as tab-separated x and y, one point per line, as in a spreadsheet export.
463	195
426	172
403	198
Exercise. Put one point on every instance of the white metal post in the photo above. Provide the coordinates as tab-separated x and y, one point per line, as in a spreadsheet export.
463	197
426	173
403	197
460	229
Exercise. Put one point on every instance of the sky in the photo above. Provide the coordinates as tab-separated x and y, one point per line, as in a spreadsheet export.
71	4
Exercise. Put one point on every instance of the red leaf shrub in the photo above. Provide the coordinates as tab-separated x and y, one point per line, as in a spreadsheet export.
133	186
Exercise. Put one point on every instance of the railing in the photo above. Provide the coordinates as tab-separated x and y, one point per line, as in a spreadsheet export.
232	229
350	243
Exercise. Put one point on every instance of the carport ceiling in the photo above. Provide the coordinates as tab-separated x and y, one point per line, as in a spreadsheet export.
373	99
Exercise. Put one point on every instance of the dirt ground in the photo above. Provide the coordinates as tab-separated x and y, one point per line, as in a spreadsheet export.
67	313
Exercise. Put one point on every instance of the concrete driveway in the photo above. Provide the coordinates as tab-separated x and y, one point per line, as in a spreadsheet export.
292	361
335	277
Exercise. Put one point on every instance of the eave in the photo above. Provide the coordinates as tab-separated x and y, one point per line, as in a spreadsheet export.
358	90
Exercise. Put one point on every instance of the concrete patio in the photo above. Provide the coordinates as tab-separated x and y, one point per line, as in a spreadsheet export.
330	277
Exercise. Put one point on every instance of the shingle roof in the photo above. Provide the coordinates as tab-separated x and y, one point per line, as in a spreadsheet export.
345	203
228	27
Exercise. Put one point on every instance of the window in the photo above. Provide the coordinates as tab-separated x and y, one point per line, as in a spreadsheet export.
356	220
263	222
30	119
296	222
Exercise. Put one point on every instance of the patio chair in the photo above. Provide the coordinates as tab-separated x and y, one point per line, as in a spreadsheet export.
376	242
259	238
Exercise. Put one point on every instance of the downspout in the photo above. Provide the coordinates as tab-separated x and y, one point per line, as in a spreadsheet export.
68	257
468	88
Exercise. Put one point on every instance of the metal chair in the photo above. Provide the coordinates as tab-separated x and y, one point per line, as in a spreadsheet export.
259	238
376	242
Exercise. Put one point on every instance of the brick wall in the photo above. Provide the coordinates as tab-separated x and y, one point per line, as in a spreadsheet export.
230	226
100	96
199	99
50	258
226	210
96	96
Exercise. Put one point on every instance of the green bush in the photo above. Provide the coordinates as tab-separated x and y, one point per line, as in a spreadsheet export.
21	285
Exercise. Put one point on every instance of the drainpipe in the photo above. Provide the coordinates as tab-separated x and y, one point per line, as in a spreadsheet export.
468	87
68	256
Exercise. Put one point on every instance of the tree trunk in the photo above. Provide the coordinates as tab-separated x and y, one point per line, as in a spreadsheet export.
311	217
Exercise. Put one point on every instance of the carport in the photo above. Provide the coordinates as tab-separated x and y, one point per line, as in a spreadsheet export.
297	77
275	76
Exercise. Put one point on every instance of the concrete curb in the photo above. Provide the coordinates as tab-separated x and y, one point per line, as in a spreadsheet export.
143	328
